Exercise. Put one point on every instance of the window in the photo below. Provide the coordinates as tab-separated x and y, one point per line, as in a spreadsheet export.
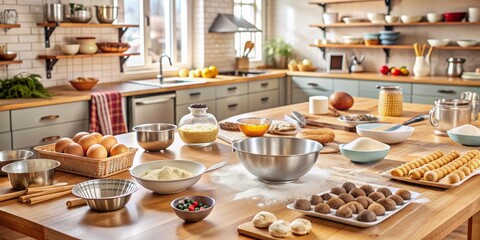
164	28
250	10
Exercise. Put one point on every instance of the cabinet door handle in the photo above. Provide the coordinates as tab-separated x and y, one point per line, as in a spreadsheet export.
313	84
232	88
195	94
51	138
447	91
264	84
232	105
50	117
264	99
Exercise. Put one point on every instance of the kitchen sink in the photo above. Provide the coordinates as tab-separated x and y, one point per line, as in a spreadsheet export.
169	82
242	73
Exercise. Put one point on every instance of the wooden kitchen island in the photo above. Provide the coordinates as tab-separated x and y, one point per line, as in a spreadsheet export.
149	216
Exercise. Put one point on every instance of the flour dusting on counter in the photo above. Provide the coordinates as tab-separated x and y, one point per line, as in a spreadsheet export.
247	186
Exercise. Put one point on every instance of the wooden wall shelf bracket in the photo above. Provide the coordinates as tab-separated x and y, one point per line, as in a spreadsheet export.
48	33
49	66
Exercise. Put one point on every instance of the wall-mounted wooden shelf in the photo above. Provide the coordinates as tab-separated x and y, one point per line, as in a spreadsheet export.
9	26
338	1
50	27
51	60
397	24
3	62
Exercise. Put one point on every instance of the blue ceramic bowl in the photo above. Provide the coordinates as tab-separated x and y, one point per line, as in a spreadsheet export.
364	156
389	33
388	42
368	36
467	140
389	37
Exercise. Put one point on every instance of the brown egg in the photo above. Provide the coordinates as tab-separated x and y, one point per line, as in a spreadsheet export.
108	141
118	149
74	149
97	151
87	141
97	135
79	135
61	144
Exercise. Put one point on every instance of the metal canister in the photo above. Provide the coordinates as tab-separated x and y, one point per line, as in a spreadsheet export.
451	113
390	100
455	67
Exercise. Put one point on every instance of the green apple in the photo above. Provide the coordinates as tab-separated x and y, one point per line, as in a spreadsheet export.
306	62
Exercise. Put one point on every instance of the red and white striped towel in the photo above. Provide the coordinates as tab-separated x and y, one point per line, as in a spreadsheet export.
106	116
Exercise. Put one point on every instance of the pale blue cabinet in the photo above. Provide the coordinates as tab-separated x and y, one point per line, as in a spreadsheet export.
428	93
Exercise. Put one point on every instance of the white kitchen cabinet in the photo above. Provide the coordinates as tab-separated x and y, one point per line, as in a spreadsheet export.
428	93
304	87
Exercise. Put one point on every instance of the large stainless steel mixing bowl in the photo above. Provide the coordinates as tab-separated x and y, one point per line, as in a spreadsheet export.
106	14
155	136
277	159
10	156
33	172
105	195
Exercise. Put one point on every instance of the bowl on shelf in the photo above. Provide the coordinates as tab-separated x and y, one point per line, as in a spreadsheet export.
80	16
466	43
330	18
105	195
8	56
371	35
388	42
70	49
277	159
391	19
84	84
32	172
113	47
10	156
168	186
254	127
389	37
369	42
196	215
351	20
376	17
467	140
434	17
106	14
351	40
359	156
454	16
410	19
438	42
155	136
376	131
305	68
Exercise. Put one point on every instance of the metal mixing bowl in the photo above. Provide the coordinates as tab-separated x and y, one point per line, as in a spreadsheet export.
80	16
32	172
106	14
155	136
105	195
10	156
277	159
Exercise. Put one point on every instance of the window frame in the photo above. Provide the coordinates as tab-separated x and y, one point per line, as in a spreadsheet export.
262	14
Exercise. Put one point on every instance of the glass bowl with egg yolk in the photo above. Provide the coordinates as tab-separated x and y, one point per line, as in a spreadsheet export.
254	126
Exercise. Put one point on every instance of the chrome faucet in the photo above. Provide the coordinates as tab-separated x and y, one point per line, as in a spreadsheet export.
160	76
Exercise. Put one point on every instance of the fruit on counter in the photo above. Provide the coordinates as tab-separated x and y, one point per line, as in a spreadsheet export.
183	72
404	71
341	100
293	62
191	73
207	73
197	73
384	70
306	62
395	71
214	69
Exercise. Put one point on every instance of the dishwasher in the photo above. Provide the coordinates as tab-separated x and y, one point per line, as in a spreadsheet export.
151	109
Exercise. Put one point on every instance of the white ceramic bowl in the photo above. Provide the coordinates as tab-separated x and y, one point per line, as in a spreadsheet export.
410	19
391	19
434	17
351	20
467	140
168	186
376	17
374	131
466	43
330	18
364	156
351	40
438	42
70	49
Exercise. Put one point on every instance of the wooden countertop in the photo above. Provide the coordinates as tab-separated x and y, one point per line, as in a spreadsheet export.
148	215
66	93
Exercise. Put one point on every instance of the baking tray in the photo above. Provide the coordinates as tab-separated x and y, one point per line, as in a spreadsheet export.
443	183
352	220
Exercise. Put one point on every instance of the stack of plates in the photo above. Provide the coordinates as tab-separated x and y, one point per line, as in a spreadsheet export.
389	37
471	75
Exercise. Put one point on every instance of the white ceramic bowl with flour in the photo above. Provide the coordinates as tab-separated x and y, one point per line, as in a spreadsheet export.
467	134
364	150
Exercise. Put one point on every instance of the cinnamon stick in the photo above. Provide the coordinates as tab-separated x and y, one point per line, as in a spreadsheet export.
43	188
25	198
12	195
76	202
39	199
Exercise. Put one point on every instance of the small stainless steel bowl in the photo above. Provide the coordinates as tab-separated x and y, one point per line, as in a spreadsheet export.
277	159
193	216
32	172
155	136
105	195
106	14
10	156
81	16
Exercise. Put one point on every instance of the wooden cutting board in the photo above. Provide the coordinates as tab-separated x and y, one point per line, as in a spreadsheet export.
327	122
249	230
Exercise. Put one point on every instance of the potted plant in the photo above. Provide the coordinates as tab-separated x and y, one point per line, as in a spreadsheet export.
278	51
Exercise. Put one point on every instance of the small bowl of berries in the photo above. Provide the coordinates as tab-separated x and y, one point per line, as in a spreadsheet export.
193	208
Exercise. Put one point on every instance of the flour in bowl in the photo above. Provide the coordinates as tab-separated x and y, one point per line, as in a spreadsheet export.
466	129
365	144
166	173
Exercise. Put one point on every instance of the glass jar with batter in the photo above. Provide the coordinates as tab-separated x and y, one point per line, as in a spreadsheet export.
198	128
390	100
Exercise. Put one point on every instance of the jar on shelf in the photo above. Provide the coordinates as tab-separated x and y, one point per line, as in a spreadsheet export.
198	128
87	45
390	100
